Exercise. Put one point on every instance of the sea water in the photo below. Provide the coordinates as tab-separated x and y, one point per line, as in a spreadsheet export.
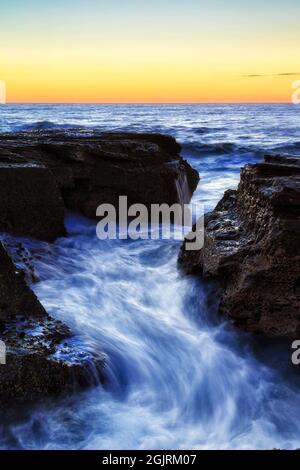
177	375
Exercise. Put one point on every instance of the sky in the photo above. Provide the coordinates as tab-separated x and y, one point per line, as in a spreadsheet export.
138	51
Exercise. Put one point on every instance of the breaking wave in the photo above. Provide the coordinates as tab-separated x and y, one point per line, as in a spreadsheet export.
42	125
217	148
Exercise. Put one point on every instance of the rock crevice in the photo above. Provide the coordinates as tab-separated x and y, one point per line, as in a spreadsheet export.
42	174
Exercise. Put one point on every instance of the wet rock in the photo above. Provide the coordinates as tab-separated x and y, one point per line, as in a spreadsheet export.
42	355
92	168
44	358
15	295
252	247
41	174
31	204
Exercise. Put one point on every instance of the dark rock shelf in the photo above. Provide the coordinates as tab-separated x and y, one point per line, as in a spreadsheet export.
41	172
252	247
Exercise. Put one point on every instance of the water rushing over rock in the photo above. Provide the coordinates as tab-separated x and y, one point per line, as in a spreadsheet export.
177	376
42	173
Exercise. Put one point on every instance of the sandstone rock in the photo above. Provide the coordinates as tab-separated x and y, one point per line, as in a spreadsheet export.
31	204
252	247
42	356
92	168
15	295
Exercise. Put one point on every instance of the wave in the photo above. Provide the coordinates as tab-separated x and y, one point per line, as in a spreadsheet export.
219	148
288	147
44	125
208	130
226	148
202	130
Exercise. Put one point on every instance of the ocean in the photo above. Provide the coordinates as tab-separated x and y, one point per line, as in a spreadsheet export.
178	375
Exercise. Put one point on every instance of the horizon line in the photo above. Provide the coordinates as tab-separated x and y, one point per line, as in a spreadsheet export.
142	103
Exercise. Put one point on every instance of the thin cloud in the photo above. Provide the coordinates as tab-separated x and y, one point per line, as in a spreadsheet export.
285	74
288	74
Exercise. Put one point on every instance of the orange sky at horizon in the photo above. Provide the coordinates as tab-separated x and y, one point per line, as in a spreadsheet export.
197	52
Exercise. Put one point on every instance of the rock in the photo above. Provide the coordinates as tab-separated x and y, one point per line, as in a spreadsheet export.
31	204
42	356
252	247
41	174
15	295
92	168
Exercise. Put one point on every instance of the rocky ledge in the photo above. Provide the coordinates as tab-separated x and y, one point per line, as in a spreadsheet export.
252	248
42	174
42	355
